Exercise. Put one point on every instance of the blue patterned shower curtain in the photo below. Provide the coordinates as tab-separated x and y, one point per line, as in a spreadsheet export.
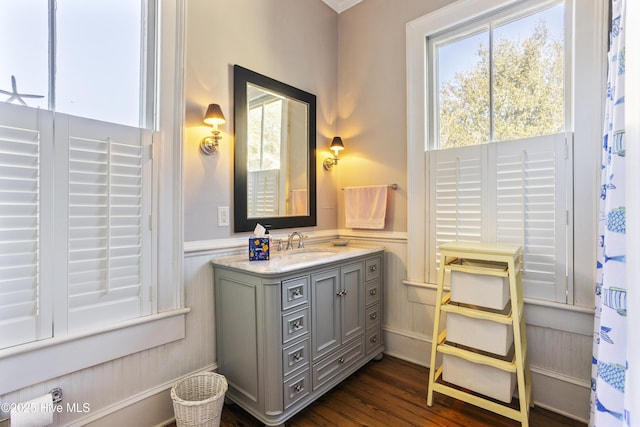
609	404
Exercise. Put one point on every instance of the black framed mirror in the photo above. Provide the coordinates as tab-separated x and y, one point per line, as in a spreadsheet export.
275	149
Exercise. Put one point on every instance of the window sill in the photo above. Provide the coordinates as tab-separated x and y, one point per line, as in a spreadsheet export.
22	366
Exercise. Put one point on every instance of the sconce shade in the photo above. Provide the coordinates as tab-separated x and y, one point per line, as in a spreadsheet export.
336	144
214	115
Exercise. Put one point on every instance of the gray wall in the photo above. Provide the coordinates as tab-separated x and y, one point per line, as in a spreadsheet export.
291	41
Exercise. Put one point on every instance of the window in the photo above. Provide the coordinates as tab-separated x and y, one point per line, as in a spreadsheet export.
500	81
78	192
265	150
490	156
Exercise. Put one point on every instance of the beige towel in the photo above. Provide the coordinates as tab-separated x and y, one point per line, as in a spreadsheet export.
365	207
299	202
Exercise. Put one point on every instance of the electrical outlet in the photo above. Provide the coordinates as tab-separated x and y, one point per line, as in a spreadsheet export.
223	216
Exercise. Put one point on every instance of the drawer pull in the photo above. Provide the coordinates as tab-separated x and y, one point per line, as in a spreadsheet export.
373	316
373	268
341	360
297	388
296	292
297	324
373	292
342	293
373	339
297	357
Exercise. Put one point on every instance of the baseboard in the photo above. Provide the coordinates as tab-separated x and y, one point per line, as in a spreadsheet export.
152	407
554	391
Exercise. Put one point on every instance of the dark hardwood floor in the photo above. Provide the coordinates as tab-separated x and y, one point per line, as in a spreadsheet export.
392	392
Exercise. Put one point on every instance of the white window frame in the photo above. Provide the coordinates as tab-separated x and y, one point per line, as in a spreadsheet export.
73	352
488	24
586	77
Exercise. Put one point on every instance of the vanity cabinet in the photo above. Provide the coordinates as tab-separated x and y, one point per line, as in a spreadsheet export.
287	335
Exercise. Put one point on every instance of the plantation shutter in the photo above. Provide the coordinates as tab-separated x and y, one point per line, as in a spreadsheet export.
25	222
263	193
456	197
531	210
506	192
109	207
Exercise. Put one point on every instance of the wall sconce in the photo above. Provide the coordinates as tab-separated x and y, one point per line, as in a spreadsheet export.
213	117
336	145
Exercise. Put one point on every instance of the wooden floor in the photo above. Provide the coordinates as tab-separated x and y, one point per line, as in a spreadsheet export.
392	392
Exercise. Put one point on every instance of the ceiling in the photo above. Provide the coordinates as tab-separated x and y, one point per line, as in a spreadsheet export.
341	5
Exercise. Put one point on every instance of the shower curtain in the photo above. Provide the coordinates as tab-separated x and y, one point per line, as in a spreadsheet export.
609	404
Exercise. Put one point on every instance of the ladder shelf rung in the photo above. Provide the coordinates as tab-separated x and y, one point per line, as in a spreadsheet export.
494	361
521	415
503	317
472	269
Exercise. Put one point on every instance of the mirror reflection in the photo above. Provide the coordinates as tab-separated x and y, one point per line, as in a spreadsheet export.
277	181
274	174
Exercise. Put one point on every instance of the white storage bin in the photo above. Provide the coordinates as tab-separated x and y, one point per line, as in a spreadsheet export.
483	379
480	289
480	334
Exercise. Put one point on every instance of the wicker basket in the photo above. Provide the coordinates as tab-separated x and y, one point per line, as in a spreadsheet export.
198	400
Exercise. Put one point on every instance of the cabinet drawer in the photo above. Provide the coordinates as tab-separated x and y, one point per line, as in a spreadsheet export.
335	364
372	316
296	388
373	339
372	292
295	292
372	268
295	357
295	325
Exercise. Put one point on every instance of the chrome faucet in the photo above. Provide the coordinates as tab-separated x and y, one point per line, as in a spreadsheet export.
300	240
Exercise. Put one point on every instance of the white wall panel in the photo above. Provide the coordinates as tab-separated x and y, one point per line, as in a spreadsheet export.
110	386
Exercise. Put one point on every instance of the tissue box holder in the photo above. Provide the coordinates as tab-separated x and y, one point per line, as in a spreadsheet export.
259	249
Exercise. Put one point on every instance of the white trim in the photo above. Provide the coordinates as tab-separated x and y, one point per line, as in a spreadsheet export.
74	353
170	116
129	403
240	242
564	395
390	236
311	237
341	5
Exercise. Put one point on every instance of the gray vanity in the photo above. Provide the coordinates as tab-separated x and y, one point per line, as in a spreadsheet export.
291	328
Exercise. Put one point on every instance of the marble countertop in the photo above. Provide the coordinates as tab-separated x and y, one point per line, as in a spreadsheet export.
296	259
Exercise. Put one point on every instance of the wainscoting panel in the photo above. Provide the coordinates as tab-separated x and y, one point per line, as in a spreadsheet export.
94	395
139	383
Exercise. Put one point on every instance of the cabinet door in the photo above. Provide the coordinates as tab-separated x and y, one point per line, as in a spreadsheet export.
325	309
352	301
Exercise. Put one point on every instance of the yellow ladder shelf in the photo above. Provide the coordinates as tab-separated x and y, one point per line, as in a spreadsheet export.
482	258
